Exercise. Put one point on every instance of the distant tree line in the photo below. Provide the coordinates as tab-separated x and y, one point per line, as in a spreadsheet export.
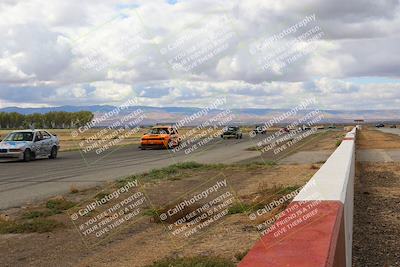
50	120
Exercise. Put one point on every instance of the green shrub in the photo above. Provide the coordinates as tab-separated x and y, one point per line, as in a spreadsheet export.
37	214
59	205
240	255
37	225
101	195
259	164
238	207
152	212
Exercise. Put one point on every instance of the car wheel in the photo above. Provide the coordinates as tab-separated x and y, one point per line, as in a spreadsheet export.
27	155
53	153
170	144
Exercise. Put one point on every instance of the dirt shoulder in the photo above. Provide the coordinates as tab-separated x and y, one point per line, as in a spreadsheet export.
376	228
377	215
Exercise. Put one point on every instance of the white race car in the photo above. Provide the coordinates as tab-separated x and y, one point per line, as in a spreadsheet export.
29	144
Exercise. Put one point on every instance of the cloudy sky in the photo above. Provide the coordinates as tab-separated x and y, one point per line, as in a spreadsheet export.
261	54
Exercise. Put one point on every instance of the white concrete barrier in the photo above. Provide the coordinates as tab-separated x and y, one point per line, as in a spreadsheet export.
324	240
334	181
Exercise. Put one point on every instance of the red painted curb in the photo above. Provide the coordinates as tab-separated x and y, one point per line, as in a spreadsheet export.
308	234
348	138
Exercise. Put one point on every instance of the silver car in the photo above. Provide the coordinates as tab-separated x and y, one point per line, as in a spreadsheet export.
29	144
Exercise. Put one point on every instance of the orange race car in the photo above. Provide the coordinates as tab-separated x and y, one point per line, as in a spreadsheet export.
160	137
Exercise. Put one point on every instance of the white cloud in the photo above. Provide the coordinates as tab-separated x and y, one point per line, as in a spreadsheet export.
10	72
91	52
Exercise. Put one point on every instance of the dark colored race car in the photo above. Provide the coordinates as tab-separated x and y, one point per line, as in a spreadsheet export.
259	129
380	125
285	130
232	131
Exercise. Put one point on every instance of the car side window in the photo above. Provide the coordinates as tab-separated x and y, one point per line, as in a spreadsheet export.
45	135
38	136
29	136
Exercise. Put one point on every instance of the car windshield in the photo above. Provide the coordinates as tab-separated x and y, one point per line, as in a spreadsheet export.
19	136
159	131
231	128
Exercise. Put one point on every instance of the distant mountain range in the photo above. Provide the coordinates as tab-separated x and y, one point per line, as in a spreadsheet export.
242	116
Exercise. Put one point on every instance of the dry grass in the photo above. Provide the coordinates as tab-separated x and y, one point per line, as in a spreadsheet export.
73	189
314	167
68	142
328	141
373	139
35	225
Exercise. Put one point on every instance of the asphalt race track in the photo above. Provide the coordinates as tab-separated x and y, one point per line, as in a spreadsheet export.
22	182
390	130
